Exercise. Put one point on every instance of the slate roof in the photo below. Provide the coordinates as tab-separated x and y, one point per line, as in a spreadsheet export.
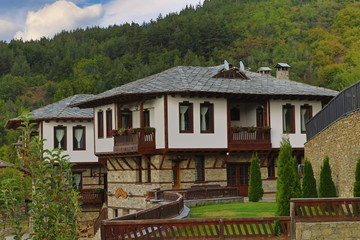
60	110
282	65
200	79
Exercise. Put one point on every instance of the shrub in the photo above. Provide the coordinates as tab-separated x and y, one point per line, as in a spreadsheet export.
357	180
309	182
327	185
256	190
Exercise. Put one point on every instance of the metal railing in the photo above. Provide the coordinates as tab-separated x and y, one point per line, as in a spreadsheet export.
344	103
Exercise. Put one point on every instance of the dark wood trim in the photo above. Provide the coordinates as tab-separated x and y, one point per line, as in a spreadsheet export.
118	162
126	208
142	114
149	161
211	117
216	160
166	123
109	123
118	116
65	137
224	161
137	162
310	109
112	164
100	124
84	136
162	161
127	164
191	117
228	113
113	182
207	181
189	161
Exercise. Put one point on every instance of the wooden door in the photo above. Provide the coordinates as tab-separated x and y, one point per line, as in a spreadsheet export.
176	175
238	176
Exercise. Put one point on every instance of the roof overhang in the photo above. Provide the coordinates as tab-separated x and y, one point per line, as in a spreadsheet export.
15	123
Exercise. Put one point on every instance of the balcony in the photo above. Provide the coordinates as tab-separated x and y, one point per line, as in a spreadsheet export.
91	196
249	138
136	140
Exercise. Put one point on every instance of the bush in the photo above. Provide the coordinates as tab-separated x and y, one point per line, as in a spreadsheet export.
256	190
357	180
327	185
309	182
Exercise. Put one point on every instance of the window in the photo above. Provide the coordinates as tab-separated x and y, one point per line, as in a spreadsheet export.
77	180
235	114
60	137
126	119
288	118
199	169
186	117
146	118
100	118
108	123
79	138
306	115
207	117
260	116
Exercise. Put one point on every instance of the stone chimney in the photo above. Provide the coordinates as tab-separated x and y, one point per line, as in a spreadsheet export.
264	70
282	70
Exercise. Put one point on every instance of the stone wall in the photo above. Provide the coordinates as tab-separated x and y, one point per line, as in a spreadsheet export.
340	142
328	230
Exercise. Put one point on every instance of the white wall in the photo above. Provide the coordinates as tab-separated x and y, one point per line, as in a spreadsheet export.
77	155
297	139
218	139
104	144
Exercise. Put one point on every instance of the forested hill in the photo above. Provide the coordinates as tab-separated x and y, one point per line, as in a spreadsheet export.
320	39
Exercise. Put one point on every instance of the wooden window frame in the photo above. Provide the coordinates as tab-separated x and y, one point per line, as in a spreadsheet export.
120	114
211	117
109	123
65	137
146	114
197	169
292	118
74	139
191	117
100	124
309	107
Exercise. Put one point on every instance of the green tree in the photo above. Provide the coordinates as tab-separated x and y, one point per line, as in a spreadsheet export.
55	207
357	180
287	182
309	182
326	185
256	190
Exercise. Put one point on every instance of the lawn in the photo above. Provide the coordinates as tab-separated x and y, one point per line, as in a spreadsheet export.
248	209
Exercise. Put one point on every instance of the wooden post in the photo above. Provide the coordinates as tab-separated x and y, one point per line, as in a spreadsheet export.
102	230
221	229
292	221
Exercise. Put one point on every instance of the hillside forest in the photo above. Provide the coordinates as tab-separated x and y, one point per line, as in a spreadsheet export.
318	38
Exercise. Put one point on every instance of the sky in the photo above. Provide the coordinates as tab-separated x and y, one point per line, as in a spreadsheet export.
34	19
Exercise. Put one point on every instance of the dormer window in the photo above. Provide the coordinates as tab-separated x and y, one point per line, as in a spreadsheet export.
231	73
60	137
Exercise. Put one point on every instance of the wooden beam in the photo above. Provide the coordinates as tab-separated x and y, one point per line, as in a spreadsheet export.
138	163
112	164
149	161
216	160
142	114
127	164
224	161
118	162
162	161
189	161
166	125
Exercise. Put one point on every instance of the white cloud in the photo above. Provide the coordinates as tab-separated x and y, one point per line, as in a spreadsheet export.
7	29
121	11
61	15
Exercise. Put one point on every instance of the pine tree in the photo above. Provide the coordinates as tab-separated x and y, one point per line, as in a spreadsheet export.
357	180
287	181
256	190
309	182
327	185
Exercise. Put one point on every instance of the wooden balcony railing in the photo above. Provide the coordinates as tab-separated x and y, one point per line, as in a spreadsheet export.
140	140
248	138
196	228
326	209
91	196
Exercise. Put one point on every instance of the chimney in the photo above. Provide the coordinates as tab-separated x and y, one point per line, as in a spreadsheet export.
282	70
264	70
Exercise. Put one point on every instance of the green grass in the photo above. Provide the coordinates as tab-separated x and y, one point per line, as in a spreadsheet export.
248	209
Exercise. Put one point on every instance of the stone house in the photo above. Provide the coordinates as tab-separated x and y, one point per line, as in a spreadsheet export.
197	125
72	130
334	132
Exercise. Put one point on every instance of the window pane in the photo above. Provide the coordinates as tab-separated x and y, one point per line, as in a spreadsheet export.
79	138
100	125
205	118
305	116
108	123
235	114
59	138
184	118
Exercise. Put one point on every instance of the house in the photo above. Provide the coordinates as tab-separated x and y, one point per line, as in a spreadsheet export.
334	132
197	125
72	130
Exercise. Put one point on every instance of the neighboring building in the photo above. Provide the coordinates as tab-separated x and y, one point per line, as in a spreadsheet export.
4	164
334	132
197	125
72	130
